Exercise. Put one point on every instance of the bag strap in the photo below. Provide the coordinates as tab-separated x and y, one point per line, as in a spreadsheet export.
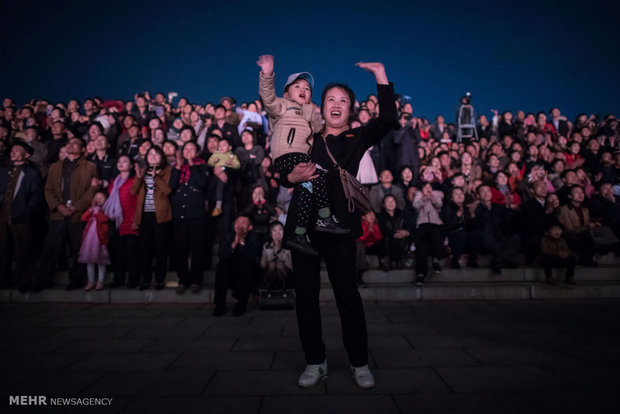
330	153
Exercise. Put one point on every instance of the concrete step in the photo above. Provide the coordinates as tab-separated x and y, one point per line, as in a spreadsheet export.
432	290
448	275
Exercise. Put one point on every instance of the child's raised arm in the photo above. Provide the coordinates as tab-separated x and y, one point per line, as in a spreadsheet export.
266	87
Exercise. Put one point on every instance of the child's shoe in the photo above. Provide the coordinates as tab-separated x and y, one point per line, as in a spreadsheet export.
330	225
216	212
99	286
89	286
300	243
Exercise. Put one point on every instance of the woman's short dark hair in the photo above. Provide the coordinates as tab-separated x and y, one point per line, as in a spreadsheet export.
192	131
194	143
98	125
275	223
173	143
349	92
388	196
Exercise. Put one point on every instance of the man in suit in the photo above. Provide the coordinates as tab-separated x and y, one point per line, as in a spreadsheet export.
384	188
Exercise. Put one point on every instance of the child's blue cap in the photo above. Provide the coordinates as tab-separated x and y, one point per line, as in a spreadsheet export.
300	75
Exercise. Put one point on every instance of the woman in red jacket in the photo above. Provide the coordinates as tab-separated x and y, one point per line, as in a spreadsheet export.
502	193
121	209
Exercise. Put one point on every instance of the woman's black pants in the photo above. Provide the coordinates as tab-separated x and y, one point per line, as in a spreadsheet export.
338	252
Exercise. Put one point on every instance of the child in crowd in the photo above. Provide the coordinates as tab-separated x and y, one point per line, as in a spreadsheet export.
224	158
295	120
94	250
556	253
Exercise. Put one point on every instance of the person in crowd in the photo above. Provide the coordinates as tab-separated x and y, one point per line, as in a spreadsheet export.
261	212
210	146
575	220
556	253
429	232
229	131
605	208
95	239
395	235
492	167
502	194
456	217
347	146
94	130
69	190
174	132
294	120
237	267
535	218
131	145
406	179
158	137
120	207
170	149
569	179
153	216
104	161
406	142
188	186
39	155
368	243
21	199
385	187
58	139
140	111
493	231
275	260
250	157
225	159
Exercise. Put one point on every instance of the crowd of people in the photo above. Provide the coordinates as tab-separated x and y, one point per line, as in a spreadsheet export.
137	187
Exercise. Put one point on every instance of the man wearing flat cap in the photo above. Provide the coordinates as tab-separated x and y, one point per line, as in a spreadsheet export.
21	199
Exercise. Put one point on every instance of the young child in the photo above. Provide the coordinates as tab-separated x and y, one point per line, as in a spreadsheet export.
556	253
224	158
295	119
94	249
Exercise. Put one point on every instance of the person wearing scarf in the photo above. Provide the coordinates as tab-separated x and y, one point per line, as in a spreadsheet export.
120	207
188	185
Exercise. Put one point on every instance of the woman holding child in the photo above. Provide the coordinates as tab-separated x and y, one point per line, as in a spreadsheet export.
338	251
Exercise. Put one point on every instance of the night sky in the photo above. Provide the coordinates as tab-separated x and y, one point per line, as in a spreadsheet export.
529	55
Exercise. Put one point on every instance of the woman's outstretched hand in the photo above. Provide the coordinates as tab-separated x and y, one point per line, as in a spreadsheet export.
377	69
266	64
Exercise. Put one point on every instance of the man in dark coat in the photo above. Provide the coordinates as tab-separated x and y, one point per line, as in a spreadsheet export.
237	268
21	198
492	226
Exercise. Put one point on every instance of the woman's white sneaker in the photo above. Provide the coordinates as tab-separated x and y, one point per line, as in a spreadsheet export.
363	377
312	374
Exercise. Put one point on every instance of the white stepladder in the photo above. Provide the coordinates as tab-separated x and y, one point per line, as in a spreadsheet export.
466	120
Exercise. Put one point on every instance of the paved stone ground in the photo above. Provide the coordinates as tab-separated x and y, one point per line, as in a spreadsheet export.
456	357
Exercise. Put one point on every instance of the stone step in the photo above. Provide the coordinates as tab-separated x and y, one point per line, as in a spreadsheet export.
525	274
448	275
431	291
